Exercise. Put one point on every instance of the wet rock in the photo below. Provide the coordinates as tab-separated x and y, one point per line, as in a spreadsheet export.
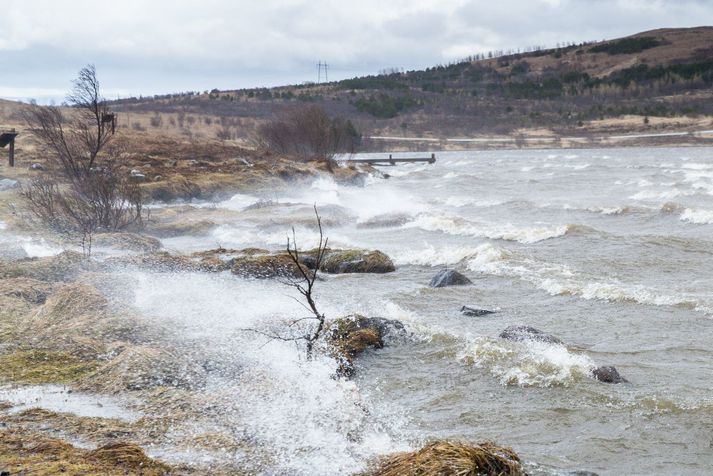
309	262
449	277
523	333
446	457
127	241
8	184
474	311
608	374
350	336
266	266
357	261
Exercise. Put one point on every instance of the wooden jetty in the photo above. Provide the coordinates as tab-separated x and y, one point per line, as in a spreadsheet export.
393	161
8	138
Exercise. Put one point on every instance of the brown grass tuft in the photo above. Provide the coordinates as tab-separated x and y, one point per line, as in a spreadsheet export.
444	458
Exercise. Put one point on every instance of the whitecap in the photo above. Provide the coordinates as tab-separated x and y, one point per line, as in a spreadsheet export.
697	216
457	226
528	363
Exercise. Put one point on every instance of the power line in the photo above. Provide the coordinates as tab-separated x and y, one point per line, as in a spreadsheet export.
321	65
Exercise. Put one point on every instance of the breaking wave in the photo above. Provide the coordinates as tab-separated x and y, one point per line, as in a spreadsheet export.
529	363
458	226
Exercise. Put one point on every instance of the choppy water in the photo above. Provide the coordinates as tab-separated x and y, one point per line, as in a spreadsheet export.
610	250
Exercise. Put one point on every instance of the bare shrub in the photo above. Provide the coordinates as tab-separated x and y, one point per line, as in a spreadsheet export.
87	194
307	132
101	202
156	121
224	133
77	140
310	328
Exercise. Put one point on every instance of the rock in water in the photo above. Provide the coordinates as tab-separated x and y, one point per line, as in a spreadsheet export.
608	374
352	335
523	333
449	277
357	261
474	311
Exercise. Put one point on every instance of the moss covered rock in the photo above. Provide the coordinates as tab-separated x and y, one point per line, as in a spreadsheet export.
351	261
352	335
259	266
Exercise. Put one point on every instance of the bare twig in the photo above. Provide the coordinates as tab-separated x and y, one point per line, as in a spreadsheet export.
304	284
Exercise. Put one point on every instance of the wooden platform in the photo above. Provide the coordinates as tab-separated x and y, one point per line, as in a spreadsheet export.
393	161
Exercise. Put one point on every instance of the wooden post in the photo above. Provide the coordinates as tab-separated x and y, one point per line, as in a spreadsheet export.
11	157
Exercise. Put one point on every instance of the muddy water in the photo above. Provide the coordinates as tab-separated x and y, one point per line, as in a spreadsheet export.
610	250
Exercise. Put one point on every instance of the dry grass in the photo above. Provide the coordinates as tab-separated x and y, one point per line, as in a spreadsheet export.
444	458
127	241
23	452
37	367
140	368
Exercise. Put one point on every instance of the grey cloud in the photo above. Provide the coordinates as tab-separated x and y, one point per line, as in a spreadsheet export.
177	45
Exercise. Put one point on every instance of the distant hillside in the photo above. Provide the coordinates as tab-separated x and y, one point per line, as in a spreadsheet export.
655	74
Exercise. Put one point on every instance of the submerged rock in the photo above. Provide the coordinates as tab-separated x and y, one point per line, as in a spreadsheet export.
451	458
608	374
524	333
474	311
357	261
449	277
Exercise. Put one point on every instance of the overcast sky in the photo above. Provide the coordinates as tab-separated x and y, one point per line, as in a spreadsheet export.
159	46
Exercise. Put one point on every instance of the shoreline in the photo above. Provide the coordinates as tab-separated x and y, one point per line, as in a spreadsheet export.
701	138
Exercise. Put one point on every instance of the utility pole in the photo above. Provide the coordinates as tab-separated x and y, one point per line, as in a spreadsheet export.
319	72
326	72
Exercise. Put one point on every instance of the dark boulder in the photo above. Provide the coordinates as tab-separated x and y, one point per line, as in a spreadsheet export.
474	311
449	277
524	333
608	374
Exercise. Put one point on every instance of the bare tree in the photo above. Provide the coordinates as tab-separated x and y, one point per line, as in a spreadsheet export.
96	197
304	284
75	141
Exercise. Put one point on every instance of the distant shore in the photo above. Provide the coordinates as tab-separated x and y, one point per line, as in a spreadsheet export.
699	138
